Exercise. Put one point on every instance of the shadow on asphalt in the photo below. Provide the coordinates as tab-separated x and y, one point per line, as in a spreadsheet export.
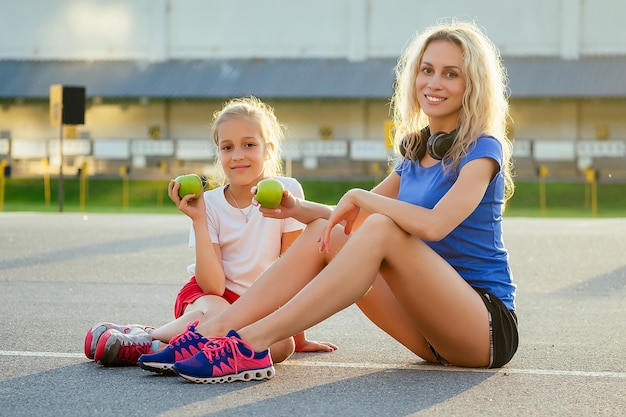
612	284
82	251
133	392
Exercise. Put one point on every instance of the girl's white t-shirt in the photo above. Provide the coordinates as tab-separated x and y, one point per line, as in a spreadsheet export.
249	248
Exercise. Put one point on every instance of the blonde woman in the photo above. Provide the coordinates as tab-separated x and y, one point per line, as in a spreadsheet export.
422	254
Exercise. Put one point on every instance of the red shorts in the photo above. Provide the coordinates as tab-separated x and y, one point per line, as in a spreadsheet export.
191	291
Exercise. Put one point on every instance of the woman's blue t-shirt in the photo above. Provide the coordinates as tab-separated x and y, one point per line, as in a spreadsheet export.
475	248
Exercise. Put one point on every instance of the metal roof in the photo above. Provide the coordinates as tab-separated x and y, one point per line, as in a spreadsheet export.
292	78
589	77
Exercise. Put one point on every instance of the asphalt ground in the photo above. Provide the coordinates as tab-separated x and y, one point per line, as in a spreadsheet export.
62	273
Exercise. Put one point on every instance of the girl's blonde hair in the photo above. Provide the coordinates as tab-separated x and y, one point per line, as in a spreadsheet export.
272	131
485	101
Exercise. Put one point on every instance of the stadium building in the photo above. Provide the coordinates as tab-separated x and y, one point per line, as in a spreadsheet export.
154	71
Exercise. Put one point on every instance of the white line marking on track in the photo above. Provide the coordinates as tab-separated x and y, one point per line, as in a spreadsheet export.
391	366
373	365
42	354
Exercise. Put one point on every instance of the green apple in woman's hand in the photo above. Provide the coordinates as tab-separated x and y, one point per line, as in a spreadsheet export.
189	184
269	193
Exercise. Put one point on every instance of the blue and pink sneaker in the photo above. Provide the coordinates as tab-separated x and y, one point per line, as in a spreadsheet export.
181	347
226	359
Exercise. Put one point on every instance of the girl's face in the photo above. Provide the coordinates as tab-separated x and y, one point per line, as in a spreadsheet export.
440	84
241	150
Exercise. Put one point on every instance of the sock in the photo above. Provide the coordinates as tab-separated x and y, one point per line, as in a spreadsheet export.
155	345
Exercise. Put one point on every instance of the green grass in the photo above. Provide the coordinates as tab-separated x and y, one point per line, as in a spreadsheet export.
103	195
563	199
568	199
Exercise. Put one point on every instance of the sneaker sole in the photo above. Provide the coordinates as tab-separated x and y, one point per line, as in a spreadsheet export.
251	375
91	340
105	354
88	340
157	367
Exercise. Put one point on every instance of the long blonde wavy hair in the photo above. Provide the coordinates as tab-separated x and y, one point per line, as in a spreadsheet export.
485	106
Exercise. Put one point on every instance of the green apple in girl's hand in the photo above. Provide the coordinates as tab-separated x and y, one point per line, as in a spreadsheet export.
189	184
269	193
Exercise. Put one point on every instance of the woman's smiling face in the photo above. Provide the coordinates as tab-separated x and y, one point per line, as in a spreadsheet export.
440	84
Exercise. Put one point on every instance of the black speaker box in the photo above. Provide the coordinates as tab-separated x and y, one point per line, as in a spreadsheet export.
73	106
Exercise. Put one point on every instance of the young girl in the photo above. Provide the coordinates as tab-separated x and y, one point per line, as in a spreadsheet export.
229	258
427	263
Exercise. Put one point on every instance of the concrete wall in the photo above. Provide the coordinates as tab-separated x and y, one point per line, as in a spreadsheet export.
356	29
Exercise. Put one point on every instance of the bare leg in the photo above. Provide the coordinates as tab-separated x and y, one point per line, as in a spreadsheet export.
282	350
444	309
288	275
381	306
205	306
209	306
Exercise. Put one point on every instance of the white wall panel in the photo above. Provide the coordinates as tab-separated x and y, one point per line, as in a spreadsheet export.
602	27
553	150
73	29
269	28
353	29
29	149
5	146
111	149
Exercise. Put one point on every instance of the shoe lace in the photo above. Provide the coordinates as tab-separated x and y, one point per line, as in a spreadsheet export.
130	351
220	347
189	334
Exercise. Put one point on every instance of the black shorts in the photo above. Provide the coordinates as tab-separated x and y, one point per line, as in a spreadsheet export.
502	331
503	325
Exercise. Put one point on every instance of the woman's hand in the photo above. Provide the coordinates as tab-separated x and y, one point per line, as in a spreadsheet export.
192	207
346	211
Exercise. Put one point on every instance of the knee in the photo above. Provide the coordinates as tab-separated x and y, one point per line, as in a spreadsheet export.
378	226
281	351
316	226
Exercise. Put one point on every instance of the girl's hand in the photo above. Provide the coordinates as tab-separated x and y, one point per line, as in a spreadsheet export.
345	211
192	207
287	207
